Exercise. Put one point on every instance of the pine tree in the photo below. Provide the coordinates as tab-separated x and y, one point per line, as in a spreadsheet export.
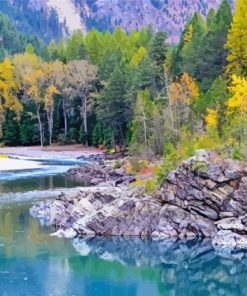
112	108
29	132
75	46
94	47
141	121
29	49
158	56
52	50
10	129
186	58
212	55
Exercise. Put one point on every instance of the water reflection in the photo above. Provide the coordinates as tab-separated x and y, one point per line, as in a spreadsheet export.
186	268
33	263
37	183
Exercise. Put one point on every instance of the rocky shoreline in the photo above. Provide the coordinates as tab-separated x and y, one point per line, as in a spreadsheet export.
101	175
200	199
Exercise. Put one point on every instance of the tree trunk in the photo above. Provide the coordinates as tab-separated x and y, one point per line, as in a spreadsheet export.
84	111
144	127
167	82
49	114
65	119
40	126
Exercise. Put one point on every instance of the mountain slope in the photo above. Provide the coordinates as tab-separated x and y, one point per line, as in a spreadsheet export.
53	18
33	17
169	15
12	41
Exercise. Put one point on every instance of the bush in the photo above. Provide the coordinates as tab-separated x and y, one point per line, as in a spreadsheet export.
117	164
151	185
135	164
171	160
236	153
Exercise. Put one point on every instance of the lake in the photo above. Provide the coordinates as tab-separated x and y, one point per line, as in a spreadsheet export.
34	263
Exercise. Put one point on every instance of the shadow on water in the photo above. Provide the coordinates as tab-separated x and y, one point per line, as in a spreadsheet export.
34	263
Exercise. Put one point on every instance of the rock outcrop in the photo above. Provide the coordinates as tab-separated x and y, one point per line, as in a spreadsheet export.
93	174
200	199
215	192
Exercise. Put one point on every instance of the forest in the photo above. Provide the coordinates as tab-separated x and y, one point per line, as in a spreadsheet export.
132	90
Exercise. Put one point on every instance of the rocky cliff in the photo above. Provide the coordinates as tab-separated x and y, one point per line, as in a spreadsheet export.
51	18
200	199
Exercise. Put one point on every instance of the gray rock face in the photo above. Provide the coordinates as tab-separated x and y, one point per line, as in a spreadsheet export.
216	192
229	240
100	175
200	199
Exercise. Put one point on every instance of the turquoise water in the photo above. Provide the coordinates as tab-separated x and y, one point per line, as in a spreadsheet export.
34	263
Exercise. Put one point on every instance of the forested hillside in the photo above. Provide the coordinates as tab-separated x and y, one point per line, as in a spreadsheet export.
51	19
134	89
12	41
33	17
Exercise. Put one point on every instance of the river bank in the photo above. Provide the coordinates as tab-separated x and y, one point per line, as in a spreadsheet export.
8	164
200	199
54	151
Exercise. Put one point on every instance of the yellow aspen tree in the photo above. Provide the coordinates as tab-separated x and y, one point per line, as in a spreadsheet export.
8	91
49	108
237	41
182	92
237	108
238	101
211	118
138	56
33	82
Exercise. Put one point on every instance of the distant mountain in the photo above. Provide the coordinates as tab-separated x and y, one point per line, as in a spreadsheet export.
12	41
34	17
54	18
168	15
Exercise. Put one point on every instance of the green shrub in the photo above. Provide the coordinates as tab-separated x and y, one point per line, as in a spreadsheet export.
170	162
117	164
236	153
151	185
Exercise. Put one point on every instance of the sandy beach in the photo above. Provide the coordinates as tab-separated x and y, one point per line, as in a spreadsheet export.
56	152
7	164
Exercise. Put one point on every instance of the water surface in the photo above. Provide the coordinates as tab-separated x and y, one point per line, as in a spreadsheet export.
34	263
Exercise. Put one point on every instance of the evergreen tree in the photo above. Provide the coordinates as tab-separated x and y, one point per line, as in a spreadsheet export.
210	17
29	132
212	55
98	134
52	51
112	107
75	49
94	47
158	56
61	50
108	63
188	53
29	49
10	129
